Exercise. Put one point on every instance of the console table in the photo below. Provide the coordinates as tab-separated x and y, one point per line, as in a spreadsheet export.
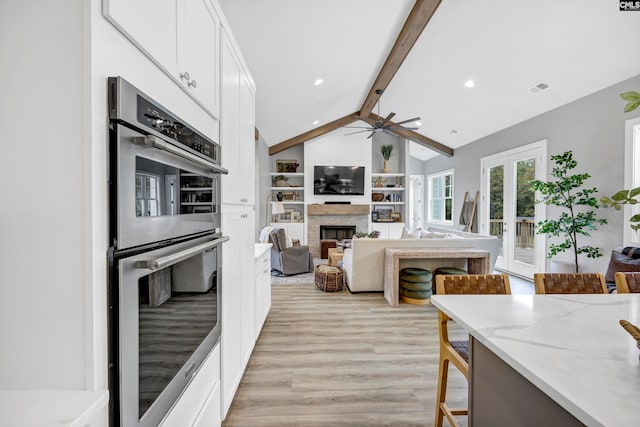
477	263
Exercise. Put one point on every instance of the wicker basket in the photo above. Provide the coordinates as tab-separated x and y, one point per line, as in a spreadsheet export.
329	278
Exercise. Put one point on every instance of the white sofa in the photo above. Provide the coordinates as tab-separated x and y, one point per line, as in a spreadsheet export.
364	262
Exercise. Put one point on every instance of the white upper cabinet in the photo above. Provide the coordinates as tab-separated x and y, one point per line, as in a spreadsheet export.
237	128
198	52
150	24
181	36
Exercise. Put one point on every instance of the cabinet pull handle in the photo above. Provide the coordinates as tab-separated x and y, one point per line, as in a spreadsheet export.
243	200
244	216
192	84
185	76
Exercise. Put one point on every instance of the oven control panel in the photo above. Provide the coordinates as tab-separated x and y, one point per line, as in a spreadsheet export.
159	120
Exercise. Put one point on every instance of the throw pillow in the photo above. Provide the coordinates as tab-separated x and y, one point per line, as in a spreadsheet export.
408	234
620	263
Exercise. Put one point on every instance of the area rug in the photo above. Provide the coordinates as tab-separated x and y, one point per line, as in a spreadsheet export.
303	279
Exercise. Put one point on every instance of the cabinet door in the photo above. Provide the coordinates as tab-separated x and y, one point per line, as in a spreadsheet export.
247	142
247	284
150	24
231	305
229	125
210	414
381	228
198	52
395	230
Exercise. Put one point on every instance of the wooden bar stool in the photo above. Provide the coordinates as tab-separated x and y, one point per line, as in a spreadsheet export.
457	352
570	283
628	283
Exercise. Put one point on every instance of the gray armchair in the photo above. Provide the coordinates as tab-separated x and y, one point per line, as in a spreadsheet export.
285	260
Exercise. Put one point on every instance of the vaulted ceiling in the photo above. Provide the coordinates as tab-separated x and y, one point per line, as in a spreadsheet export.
506	47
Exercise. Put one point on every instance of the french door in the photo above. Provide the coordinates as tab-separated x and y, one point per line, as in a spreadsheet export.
508	209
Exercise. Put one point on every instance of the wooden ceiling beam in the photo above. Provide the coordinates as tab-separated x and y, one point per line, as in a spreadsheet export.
413	136
313	133
417	20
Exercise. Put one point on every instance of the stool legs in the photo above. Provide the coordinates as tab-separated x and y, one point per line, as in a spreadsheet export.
443	371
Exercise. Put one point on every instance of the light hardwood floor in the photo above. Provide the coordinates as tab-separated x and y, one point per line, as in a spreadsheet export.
334	359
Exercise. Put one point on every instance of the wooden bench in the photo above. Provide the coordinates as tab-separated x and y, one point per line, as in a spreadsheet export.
477	263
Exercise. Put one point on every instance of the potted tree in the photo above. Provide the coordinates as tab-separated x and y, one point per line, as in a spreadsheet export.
566	192
386	154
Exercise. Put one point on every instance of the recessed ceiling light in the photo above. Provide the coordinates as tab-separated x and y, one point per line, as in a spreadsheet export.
316	122
418	123
453	132
469	83
318	82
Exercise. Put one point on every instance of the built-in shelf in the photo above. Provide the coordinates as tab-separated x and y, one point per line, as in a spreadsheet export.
196	203
195	188
288	174
374	189
387	203
288	188
386	175
291	202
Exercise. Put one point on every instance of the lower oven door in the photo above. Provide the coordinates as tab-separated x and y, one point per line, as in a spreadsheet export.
168	321
160	195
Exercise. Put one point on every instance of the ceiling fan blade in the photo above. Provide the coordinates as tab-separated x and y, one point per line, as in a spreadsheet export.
358	131
402	127
370	135
407	121
384	122
357	127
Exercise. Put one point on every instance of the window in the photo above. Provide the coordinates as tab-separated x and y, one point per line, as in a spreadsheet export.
147	197
440	197
632	175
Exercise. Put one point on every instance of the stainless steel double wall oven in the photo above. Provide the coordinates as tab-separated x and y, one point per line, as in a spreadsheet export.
165	258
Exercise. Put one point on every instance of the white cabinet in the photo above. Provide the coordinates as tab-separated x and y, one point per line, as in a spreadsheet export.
209	416
237	129
247	287
388	230
195	408
198	52
238	297
181	36
263	289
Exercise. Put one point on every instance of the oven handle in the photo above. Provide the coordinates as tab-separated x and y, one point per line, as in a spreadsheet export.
161	144
165	261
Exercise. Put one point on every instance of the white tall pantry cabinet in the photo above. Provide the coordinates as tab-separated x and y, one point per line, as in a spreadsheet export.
173	51
238	218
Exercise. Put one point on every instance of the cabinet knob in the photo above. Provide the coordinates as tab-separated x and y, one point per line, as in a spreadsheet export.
185	76
192	83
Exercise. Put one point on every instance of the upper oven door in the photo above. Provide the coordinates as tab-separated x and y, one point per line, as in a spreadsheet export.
161	193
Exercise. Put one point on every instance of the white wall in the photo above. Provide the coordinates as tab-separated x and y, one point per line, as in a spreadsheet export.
592	127
336	149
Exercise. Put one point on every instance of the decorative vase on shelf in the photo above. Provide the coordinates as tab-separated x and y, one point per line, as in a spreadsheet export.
385	166
279	196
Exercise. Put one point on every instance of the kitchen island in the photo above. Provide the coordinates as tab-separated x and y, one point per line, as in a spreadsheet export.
549	359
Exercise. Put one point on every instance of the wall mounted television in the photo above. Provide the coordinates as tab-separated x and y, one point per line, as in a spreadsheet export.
338	180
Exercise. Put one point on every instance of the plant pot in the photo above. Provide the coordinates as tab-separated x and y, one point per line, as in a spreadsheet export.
385	166
562	267
281	183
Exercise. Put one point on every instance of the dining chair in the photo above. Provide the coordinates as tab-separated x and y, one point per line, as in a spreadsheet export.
457	352
570	283
627	282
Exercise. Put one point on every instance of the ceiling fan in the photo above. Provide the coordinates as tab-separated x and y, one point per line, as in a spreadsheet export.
383	125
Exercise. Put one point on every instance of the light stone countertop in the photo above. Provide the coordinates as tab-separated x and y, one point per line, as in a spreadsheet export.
50	408
261	248
571	347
